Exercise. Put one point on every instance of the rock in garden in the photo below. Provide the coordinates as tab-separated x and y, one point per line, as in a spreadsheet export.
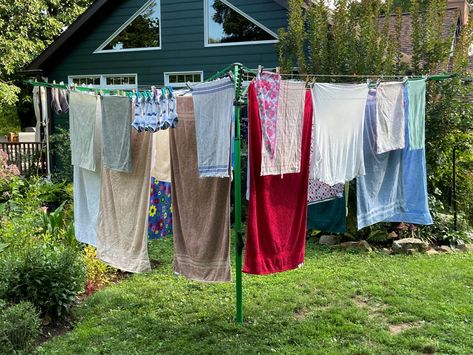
392	235
466	248
444	249
402	245
361	245
431	251
386	251
329	240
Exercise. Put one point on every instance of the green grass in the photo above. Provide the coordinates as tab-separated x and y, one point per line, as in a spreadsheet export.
337	303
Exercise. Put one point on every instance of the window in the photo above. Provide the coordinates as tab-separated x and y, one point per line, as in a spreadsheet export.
141	32
227	25
108	81
179	79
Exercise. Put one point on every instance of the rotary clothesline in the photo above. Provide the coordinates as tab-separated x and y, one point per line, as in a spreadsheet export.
236	71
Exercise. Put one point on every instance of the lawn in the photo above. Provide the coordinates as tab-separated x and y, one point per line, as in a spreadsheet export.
337	303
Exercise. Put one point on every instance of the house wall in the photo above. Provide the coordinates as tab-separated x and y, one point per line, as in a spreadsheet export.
182	26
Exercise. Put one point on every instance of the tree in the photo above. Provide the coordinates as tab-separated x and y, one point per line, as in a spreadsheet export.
26	28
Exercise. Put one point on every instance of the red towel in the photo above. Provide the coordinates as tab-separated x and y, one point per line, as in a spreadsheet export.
277	211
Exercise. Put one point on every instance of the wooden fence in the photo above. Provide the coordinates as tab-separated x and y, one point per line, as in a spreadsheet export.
30	158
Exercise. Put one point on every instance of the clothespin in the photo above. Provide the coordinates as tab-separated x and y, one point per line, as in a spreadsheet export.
188	84
260	69
170	90
231	76
278	70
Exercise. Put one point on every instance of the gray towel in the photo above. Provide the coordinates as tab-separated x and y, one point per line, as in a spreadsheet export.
82	117
116	130
213	105
201	208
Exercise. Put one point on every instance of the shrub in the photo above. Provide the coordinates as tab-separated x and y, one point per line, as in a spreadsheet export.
48	275
99	274
19	327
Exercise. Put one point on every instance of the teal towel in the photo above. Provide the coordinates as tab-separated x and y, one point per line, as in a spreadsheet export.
417	89
328	216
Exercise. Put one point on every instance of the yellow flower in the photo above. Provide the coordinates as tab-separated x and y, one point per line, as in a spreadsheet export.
152	211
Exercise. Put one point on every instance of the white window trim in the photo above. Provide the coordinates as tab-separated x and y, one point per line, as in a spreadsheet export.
103	81
168	73
101	50
259	24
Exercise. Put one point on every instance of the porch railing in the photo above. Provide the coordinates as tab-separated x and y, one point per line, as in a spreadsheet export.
30	158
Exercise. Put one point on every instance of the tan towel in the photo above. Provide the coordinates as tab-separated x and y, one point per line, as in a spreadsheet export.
122	230
161	162
201	207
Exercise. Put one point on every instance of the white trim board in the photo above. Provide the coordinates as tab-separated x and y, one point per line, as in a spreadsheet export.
101	49
168	73
103	80
248	17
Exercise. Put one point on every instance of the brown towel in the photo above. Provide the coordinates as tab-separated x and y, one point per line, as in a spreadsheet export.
122	231
201	207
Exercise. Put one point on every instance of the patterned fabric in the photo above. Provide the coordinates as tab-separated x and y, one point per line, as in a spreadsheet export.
267	89
160	210
321	192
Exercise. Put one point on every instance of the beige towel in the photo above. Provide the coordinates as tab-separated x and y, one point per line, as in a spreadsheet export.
201	207
161	162
122	231
287	157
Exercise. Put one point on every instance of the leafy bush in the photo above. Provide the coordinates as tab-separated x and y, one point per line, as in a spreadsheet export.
61	149
98	273
47	274
19	327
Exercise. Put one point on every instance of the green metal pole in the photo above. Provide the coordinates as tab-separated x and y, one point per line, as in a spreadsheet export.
237	185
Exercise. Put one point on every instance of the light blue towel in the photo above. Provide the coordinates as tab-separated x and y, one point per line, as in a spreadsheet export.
414	181
379	193
213	105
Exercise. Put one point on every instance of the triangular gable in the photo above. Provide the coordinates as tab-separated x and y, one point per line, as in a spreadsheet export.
142	31
226	24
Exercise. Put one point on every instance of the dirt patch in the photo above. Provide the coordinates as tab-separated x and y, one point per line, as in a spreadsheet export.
52	330
396	329
375	309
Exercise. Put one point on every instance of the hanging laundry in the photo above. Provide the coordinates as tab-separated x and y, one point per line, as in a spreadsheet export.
63	100
116	131
390	117
328	216
290	119
168	116
417	92
122	232
278	206
82	118
339	116
379	193
160	210
161	161
414	181
160	207
319	191
268	85
59	103
37	113
87	191
201	207
213	105
141	108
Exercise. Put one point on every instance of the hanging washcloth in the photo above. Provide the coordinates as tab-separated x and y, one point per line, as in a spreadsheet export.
379	193
267	88
414	181
116	131
37	113
122	232
201	207
140	113
213	105
390	117
290	119
417	92
339	111
278	206
55	101
82	119
87	192
63	100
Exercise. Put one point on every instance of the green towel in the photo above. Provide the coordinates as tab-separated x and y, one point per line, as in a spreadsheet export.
328	216
417	90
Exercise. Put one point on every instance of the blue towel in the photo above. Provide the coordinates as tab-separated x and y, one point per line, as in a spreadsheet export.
414	181
379	193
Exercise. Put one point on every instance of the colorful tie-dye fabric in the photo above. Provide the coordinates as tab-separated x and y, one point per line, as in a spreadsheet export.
160	210
267	88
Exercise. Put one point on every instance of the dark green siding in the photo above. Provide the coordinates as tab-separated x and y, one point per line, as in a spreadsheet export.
182	25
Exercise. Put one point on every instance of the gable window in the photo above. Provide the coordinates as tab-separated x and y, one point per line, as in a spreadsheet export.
227	25
179	79
108	81
141	32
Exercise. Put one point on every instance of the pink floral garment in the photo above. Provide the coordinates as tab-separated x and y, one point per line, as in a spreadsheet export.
267	88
